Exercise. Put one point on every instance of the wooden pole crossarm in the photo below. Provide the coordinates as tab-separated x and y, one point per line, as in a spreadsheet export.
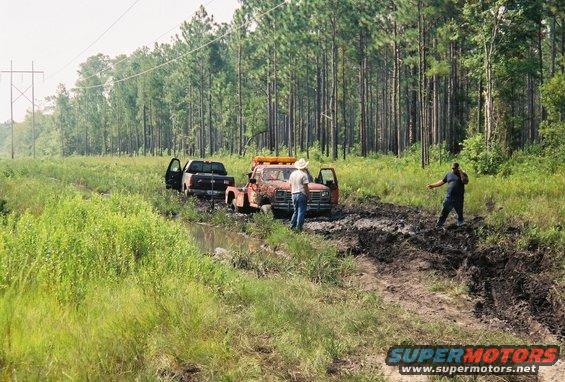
23	71
22	94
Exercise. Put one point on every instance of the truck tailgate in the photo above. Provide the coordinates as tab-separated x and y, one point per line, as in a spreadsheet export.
209	182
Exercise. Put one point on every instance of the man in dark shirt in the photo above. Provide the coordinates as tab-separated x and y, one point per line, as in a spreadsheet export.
455	196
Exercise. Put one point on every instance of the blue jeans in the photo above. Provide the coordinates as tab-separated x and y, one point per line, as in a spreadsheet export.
448	205
300	202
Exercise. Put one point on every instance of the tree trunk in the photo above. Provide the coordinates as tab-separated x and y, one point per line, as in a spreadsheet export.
362	100
144	130
210	125
270	122
422	104
344	102
276	105
318	115
334	90
396	78
239	101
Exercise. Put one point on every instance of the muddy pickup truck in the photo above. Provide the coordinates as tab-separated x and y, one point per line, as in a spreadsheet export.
198	177
268	188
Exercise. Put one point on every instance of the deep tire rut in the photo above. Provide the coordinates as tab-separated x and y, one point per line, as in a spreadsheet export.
514	286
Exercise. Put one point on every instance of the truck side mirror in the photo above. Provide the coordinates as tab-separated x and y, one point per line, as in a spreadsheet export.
253	181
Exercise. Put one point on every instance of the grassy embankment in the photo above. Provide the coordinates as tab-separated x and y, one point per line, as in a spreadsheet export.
96	282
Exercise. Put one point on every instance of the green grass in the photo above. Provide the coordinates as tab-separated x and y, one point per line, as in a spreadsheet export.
529	196
96	282
449	287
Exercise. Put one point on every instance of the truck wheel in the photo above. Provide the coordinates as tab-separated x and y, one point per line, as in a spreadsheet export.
276	214
266	209
236	208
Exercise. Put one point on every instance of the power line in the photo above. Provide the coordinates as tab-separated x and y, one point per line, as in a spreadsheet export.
88	47
184	54
95	40
177	26
154	41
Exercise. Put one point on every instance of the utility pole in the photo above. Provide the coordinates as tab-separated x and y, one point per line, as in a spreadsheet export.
33	106
33	72
12	105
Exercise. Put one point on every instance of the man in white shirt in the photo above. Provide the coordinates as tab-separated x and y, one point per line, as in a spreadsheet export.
300	194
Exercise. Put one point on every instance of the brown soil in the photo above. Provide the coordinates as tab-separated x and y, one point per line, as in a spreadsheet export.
398	250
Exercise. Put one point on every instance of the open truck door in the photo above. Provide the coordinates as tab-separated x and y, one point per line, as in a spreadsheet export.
173	177
328	178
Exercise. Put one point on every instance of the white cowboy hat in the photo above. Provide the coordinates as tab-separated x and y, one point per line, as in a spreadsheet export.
301	164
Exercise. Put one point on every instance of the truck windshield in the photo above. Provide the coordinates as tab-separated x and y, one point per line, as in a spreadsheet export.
207	167
279	174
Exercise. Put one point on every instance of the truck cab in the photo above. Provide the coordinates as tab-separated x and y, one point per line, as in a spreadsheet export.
268	188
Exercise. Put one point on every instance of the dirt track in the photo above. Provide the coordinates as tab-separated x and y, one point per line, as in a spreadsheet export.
399	248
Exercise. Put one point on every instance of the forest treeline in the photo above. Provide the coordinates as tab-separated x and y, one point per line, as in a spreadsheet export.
344	76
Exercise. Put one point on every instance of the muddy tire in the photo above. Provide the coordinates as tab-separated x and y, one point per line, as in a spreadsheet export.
235	208
266	209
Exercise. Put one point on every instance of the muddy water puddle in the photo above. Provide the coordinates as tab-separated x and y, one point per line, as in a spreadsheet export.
211	239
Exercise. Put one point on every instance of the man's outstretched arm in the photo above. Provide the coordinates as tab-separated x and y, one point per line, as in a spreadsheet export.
439	183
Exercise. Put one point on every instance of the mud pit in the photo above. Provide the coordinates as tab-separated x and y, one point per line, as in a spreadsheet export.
507	288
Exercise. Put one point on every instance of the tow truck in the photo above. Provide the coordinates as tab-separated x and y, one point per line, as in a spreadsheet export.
267	188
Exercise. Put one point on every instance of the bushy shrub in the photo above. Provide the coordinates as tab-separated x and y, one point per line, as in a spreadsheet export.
532	159
316	154
440	153
483	160
411	154
553	99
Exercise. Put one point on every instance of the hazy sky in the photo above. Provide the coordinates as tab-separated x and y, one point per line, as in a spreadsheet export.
51	32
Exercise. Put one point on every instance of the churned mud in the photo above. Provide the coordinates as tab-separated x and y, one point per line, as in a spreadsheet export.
403	256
